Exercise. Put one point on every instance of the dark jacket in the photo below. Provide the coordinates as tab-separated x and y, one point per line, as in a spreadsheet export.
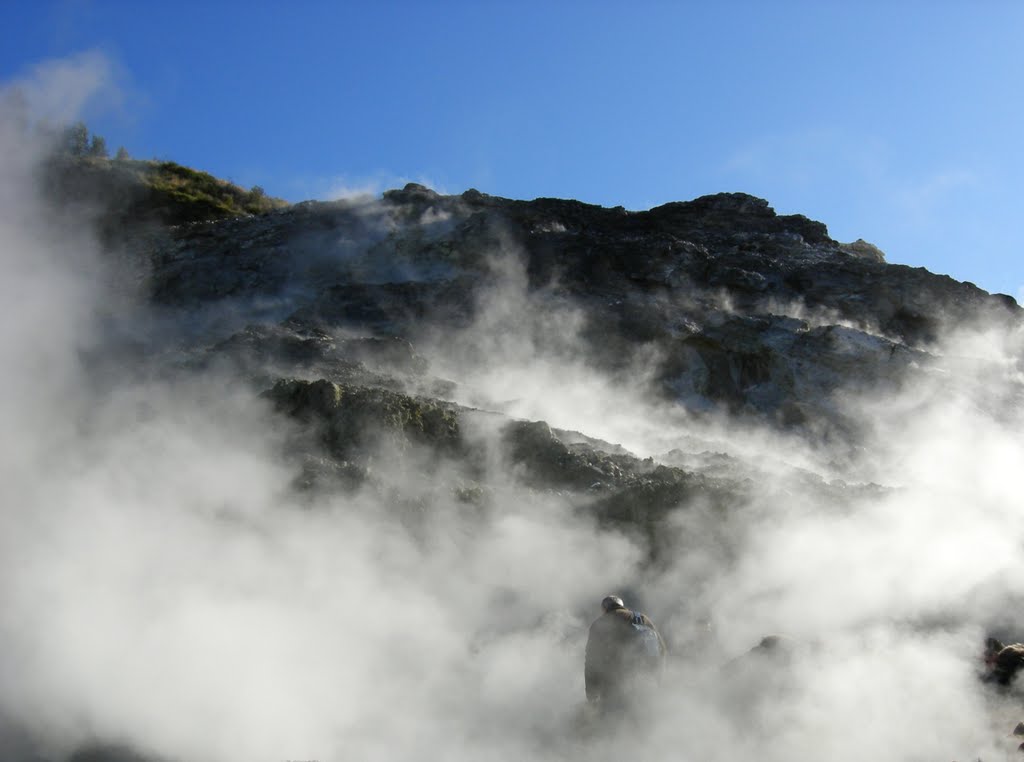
625	653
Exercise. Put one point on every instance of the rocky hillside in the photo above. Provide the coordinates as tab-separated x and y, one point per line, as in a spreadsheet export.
712	307
723	412
129	193
716	309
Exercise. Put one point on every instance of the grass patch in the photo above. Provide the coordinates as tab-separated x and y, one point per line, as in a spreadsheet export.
132	191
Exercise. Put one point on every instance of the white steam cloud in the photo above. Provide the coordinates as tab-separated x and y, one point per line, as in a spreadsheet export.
164	588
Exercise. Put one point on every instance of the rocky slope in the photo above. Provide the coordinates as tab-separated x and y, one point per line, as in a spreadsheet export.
713	307
130	193
702	379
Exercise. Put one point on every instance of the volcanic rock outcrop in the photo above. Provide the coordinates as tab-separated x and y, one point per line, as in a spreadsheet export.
712	307
424	355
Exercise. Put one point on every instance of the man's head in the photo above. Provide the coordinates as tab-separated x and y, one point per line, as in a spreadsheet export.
612	602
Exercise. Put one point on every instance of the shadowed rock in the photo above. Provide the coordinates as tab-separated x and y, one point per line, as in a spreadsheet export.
745	310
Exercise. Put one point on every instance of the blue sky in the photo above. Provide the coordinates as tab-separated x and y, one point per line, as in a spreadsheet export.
897	122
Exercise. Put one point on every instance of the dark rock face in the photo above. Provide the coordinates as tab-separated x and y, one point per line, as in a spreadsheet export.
733	309
745	310
729	308
353	419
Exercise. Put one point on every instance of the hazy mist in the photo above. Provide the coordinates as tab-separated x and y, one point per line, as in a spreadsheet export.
165	588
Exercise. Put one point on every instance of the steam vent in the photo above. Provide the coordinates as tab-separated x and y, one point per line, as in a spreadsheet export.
350	479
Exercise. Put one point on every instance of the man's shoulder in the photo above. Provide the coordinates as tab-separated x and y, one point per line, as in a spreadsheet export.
620	617
612	620
623	616
643	619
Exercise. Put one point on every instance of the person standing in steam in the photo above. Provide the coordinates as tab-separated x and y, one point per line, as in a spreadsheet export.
624	658
1002	663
